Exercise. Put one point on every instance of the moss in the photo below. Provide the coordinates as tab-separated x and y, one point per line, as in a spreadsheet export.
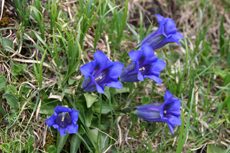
50	140
4	21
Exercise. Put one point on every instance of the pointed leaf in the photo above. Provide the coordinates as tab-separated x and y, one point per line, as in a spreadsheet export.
74	143
11	100
61	140
90	99
215	148
2	81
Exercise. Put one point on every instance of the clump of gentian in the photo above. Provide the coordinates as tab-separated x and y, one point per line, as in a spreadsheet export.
100	73
144	65
168	112
64	119
166	33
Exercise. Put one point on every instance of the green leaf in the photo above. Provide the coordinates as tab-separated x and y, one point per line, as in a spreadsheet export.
52	149
18	68
2	81
219	72
215	148
123	90
145	100
48	105
7	44
222	38
228	60
143	124
30	140
11	100
103	139
226	80
90	99
11	89
74	143
105	108
5	147
88	117
71	81
30	148
61	140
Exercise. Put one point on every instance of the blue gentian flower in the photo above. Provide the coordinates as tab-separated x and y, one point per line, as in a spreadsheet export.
168	112
144	65
166	33
100	73
64	119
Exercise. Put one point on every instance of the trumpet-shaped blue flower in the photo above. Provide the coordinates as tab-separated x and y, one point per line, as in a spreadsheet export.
64	119
100	73
144	65
168	112
166	33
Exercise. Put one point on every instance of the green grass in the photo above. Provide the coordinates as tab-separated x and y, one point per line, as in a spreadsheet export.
41	69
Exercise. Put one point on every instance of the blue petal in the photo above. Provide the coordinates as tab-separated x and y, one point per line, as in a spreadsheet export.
129	74
115	84
55	126
173	121
159	18
102	60
116	70
154	37
51	121
60	109
140	76
168	95
157	67
173	105
151	106
149	112
74	115
90	88
87	82
148	115
155	78
171	128
169	26
99	89
88	68
135	55
72	128
62	131
178	36
148	55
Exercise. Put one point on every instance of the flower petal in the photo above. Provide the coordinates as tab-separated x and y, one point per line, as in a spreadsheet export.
51	121
60	109
157	67
159	18
155	78
73	128
88	68
170	26
115	84
178	36
129	74
140	76
148	55
166	33
102	60
99	89
168	95
74	115
135	55
116	70
62	131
